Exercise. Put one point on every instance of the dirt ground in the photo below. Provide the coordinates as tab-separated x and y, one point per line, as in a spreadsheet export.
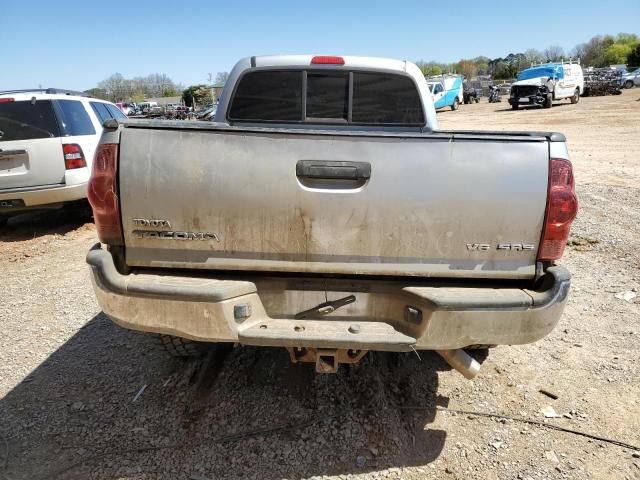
82	399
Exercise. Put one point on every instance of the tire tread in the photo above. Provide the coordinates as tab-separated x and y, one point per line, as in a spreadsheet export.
182	347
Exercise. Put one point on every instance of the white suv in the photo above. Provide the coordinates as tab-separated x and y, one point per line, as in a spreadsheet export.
47	141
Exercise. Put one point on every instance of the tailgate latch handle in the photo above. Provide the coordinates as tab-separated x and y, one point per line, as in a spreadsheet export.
333	170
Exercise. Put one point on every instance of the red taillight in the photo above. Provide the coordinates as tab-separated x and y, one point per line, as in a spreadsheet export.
562	207
73	156
327	60
102	194
7	100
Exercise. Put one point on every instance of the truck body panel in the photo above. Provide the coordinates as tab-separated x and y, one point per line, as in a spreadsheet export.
242	189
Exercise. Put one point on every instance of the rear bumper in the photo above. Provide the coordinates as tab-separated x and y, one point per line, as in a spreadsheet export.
386	315
41	197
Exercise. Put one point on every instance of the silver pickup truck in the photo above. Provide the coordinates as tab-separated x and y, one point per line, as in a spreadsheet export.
324	212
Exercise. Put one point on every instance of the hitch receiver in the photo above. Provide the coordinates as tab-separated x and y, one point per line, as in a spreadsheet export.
327	360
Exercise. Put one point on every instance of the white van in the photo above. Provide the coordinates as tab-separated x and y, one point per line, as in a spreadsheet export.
542	84
47	141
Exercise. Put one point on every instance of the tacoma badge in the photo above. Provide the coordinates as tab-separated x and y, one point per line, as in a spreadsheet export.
176	235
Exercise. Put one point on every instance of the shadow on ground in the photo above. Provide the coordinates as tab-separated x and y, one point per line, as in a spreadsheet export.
45	222
532	107
249	415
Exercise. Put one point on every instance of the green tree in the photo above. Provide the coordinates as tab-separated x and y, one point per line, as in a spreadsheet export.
430	69
482	64
617	54
633	60
197	95
468	68
170	92
97	93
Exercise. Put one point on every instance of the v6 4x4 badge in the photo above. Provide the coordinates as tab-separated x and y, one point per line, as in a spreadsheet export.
514	247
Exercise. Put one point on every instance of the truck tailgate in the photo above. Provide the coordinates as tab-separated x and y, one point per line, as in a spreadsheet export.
468	205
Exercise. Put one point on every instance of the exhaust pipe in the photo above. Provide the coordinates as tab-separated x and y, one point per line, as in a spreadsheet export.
461	361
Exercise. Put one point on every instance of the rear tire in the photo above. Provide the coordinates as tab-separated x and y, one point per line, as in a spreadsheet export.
548	101
628	84
515	106
455	105
576	96
183	347
3	221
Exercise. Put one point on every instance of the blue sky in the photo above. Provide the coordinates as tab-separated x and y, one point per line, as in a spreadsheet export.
75	44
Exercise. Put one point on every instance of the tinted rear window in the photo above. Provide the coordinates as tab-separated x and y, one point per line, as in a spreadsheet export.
377	98
385	98
27	121
268	96
327	95
74	119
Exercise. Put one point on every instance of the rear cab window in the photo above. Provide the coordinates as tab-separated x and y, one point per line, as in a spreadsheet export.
268	96
27	120
325	96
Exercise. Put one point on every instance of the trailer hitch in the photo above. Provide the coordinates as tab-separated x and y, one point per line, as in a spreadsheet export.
327	360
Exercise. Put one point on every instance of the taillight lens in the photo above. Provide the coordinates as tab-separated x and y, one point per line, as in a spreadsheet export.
6	100
327	60
102	194
562	208
73	156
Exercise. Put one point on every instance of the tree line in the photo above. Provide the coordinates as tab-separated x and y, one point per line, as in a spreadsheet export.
599	51
116	88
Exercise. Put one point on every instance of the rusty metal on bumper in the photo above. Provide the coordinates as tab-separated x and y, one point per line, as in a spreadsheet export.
387	315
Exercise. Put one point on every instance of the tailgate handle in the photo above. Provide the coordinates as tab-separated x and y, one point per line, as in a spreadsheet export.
12	153
333	170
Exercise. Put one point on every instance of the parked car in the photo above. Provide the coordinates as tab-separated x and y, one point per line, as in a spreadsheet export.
206	113
447	92
211	115
543	84
47	142
147	107
325	212
126	108
631	79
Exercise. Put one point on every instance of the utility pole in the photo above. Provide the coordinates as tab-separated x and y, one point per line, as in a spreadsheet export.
211	87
